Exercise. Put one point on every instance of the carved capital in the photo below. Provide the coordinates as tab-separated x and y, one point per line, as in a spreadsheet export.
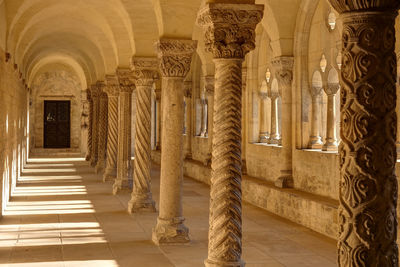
125	80
209	85
230	28
332	88
187	89
175	56
112	85
283	68
145	70
263	95
94	91
343	6
315	91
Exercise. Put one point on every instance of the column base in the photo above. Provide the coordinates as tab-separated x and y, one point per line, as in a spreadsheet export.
214	263
109	175
274	141
99	168
171	231
330	146
264	138
121	186
93	163
285	180
315	142
141	203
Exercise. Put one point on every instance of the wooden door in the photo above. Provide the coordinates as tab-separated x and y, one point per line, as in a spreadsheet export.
57	128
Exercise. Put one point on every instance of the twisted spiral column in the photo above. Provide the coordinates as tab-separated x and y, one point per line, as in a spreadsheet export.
368	184
145	71
112	139
229	35
225	231
123	182
95	123
103	121
89	132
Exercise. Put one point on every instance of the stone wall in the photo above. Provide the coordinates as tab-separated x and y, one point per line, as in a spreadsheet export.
13	127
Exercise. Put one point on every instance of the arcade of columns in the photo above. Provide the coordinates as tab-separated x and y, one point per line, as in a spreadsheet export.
368	185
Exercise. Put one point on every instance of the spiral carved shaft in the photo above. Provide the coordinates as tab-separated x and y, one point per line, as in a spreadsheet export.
225	232
112	138
103	121
95	131
124	143
142	182
368	185
89	132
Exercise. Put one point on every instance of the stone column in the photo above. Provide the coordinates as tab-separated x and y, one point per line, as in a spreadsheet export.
330	140
264	134
157	93
175	57
204	117
123	182
275	137
188	98
95	94
315	137
145	73
103	121
368	184
112	90
209	87
283	72
89	130
229	35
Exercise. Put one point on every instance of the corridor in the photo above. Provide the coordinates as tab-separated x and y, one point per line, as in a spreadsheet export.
61	214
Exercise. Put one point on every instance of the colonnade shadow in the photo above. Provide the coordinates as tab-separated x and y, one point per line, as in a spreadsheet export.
62	214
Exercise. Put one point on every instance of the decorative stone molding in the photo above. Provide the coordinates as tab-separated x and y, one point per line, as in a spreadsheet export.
229	28
368	184
229	35
175	56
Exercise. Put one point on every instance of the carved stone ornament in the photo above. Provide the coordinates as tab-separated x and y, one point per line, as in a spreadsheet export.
94	91
102	89
175	56
126	80
112	85
209	84
368	184
315	91
283	67
145	70
332	88
230	28
187	89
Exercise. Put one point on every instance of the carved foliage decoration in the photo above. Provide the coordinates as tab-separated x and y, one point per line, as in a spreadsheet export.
126	80
230	28
175	56
361	5
144	70
112	85
368	186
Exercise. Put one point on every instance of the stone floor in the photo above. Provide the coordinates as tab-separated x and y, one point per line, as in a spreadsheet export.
61	214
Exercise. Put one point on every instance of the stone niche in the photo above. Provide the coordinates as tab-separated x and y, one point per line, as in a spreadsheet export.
61	85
